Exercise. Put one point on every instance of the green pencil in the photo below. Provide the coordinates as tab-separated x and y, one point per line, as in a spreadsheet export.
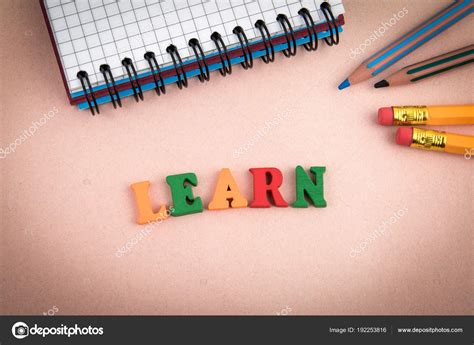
430	67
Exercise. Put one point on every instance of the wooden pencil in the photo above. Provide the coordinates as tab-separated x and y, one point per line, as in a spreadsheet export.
430	67
409	42
431	115
435	140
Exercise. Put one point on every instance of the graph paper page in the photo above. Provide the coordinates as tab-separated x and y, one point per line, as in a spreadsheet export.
89	33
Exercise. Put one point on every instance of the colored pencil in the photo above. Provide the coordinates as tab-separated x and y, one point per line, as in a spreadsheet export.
430	67
435	140
438	115
409	42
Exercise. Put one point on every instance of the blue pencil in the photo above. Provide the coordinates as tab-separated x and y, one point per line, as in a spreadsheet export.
409	42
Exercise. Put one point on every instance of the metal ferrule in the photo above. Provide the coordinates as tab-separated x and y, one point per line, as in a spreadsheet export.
428	139
410	115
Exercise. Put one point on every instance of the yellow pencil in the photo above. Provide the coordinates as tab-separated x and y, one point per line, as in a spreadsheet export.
437	115
435	140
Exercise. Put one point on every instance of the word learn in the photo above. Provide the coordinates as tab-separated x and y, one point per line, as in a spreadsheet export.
266	181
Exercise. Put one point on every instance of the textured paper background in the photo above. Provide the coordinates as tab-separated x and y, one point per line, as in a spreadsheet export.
67	206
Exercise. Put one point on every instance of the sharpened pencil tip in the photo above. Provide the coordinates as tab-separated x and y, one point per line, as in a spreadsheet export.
382	83
344	84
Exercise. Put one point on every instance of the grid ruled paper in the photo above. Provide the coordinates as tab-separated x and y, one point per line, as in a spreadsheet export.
89	33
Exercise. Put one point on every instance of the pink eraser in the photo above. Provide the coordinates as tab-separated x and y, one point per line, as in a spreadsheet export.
404	136
385	116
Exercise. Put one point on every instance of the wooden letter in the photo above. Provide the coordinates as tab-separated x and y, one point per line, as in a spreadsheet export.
306	187
226	193
183	199
145	211
261	188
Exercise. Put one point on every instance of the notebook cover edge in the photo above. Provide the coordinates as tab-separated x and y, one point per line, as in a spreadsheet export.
56	52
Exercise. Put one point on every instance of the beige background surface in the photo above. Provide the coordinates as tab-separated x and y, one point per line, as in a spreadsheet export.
67	206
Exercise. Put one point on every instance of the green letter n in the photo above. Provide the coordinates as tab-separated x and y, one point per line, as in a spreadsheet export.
305	187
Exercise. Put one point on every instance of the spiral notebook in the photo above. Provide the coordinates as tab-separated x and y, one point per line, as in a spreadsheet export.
111	49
